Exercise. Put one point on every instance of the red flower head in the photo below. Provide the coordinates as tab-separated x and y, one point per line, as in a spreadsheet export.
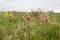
45	19
29	18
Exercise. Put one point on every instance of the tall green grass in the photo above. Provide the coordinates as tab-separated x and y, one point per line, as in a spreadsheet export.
35	30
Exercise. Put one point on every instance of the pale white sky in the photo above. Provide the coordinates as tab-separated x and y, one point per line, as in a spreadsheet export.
26	5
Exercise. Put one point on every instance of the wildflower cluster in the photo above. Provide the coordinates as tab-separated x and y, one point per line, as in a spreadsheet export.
8	14
38	26
26	17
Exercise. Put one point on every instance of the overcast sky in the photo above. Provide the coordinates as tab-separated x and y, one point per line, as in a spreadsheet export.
26	5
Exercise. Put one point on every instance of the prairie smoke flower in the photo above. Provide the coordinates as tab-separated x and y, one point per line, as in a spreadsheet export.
28	18
45	19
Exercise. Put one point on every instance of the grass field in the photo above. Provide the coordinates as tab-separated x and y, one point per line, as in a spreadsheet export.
29	26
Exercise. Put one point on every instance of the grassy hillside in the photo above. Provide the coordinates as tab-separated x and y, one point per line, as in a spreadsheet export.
29	26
